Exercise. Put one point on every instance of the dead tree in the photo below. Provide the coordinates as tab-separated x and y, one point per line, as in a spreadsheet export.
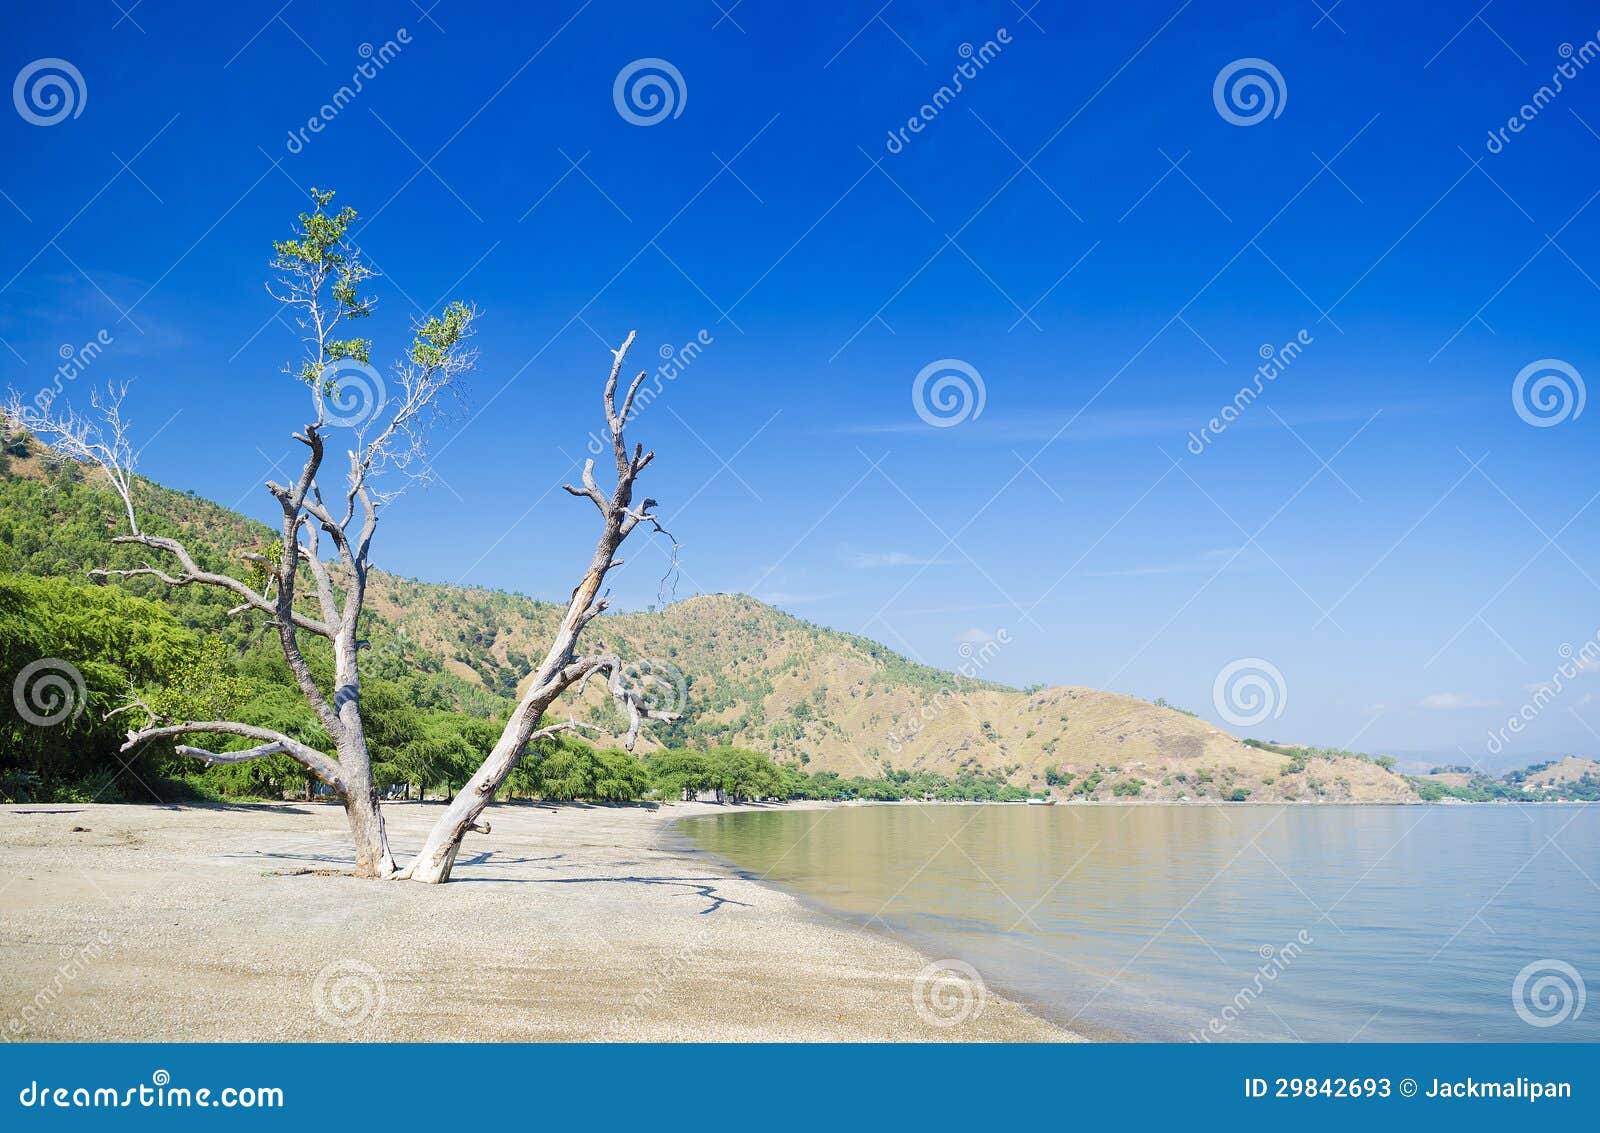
562	667
319	280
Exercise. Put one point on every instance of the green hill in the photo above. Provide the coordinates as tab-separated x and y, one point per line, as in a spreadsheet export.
751	675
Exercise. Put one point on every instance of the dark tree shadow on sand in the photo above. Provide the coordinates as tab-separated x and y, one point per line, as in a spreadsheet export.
697	886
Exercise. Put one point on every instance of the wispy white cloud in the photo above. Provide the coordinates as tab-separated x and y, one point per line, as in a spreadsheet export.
1453	701
875	560
1204	561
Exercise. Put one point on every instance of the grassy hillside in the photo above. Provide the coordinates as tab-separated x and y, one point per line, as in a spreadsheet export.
751	675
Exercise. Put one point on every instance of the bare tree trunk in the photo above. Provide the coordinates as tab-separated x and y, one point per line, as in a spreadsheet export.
361	797
373	858
559	671
438	856
561	668
367	831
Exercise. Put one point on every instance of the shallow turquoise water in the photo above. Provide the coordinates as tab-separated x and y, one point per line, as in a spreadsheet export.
1328	923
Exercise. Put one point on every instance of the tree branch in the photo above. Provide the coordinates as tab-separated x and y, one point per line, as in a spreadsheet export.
105	443
632	699
271	743
192	574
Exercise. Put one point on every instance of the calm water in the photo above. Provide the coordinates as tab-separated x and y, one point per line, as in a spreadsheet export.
1146	922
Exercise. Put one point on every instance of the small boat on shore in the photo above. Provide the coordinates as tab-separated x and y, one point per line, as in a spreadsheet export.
1041	802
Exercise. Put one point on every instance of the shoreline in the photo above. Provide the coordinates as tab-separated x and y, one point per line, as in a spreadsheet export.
568	923
1077	1030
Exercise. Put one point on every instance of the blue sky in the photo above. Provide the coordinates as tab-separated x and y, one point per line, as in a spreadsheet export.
1080	225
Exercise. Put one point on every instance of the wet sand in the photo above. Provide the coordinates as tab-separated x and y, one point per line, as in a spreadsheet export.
566	923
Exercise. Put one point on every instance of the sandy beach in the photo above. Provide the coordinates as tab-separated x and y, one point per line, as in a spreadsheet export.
135	923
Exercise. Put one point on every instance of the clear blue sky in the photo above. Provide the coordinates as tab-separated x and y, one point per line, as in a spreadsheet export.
1407	591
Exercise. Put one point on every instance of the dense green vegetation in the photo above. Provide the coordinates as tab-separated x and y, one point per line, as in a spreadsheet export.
901	785
1513	787
71	653
55	738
